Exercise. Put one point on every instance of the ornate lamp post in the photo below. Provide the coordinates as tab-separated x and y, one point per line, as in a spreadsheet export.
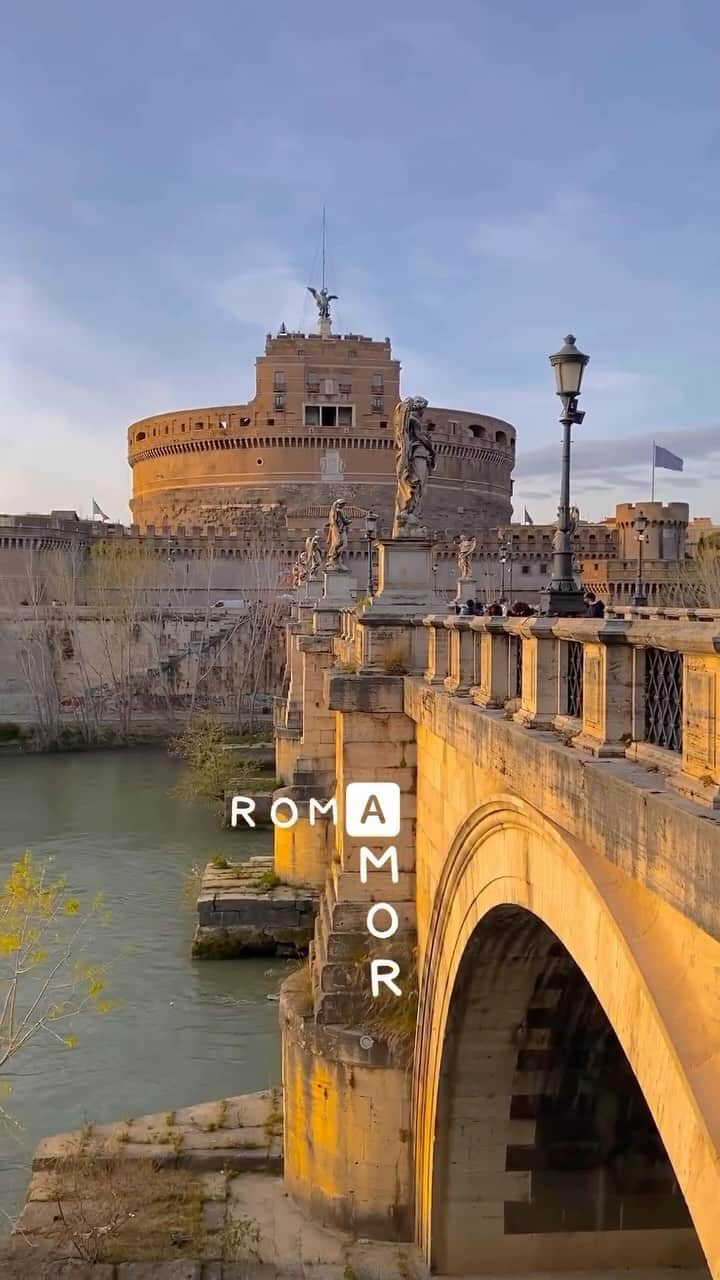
563	595
371	524
640	524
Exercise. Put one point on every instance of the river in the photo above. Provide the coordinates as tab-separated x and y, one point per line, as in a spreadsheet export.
186	1031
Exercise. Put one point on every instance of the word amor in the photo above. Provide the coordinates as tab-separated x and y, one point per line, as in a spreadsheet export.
372	810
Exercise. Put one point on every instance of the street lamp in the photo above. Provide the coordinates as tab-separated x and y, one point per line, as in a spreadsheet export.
563	594
505	558
640	524
371	524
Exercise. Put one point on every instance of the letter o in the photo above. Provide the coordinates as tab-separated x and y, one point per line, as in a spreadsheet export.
293	812
394	922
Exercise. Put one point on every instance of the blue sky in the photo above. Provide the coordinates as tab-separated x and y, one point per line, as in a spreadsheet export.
495	176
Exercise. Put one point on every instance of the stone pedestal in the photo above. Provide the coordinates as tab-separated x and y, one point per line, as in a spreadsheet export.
467	589
405	584
338	588
312	590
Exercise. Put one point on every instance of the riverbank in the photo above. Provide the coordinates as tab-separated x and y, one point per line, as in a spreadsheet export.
22	737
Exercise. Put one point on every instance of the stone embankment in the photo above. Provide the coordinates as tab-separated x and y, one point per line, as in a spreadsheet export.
245	910
193	1194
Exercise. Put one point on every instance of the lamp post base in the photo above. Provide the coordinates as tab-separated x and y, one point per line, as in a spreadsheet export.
563	600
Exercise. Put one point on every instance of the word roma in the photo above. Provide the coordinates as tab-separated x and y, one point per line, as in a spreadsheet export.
383	973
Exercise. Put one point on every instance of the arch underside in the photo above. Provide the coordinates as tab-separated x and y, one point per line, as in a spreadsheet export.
529	1164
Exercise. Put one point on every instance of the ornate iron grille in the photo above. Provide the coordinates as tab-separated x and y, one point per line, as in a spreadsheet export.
663	699
575	679
518	666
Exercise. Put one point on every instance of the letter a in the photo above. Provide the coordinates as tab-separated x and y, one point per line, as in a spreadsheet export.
372	810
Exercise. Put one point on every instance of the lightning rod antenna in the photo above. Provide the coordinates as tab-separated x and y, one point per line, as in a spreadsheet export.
323	246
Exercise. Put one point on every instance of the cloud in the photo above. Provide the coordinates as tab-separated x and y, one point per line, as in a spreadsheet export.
67	393
602	459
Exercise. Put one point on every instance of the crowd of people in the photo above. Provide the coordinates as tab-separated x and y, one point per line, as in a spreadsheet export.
520	609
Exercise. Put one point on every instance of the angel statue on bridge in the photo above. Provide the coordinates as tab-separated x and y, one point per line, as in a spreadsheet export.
312	555
465	548
337	537
414	464
298	572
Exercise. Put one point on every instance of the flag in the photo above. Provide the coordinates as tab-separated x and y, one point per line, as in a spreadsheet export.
664	458
527	517
98	511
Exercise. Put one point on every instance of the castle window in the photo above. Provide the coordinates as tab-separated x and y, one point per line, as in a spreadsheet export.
328	415
259	462
383	424
279	380
377	382
329	386
140	435
453	427
313	383
525	568
279	402
344	388
543	568
501	439
376	404
198	426
271	422
345	415
312	415
477	431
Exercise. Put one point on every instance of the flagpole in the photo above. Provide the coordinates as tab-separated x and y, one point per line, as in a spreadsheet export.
652	492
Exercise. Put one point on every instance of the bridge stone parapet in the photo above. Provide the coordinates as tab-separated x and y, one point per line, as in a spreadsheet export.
645	688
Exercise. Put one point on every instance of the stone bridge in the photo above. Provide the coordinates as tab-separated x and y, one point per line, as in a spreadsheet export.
545	1092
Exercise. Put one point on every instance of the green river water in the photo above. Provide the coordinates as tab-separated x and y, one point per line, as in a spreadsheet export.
187	1031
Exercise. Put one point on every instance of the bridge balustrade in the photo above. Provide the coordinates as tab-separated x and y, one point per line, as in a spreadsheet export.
642	684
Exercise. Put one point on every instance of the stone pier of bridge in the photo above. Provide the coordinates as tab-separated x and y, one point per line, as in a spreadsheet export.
543	1095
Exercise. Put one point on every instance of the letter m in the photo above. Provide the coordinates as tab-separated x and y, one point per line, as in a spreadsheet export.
378	861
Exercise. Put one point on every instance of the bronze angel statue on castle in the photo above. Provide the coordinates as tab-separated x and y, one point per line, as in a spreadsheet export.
322	301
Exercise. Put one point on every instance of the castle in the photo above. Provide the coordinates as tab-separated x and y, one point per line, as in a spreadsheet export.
319	427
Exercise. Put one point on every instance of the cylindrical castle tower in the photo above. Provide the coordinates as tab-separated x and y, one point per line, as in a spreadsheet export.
665	533
319	427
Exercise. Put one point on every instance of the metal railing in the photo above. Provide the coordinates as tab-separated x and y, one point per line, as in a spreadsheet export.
575	679
663	698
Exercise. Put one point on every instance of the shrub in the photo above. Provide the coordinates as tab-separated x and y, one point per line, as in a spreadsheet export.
268	881
210	769
111	1210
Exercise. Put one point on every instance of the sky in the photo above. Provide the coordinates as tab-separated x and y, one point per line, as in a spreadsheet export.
495	176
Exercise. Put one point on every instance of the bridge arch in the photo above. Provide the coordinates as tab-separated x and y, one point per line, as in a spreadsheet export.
639	957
